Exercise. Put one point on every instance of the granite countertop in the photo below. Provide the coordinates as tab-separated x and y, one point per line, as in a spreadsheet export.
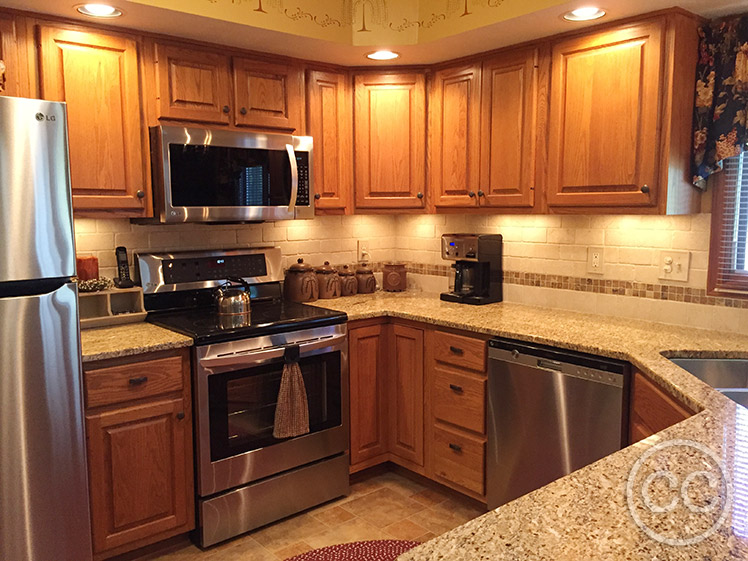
654	500
130	339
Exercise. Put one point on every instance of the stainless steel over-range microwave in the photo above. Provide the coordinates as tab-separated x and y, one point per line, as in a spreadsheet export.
209	175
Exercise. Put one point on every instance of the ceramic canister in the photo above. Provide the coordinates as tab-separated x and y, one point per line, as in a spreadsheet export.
394	278
301	284
367	284
329	281
348	282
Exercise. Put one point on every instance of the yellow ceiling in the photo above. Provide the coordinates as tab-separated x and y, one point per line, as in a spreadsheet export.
360	22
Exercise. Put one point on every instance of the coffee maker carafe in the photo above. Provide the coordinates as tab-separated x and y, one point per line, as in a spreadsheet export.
477	267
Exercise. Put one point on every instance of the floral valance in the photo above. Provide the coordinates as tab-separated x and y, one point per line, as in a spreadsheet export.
721	108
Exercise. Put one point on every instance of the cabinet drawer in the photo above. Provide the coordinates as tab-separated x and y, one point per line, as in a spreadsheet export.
464	352
459	399
459	458
117	384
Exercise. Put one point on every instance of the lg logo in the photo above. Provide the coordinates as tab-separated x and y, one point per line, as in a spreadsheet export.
43	117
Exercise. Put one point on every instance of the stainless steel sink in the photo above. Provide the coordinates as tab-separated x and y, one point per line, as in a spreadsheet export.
727	375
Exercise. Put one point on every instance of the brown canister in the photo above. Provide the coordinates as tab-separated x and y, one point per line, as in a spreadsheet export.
329	281
367	284
348	282
301	283
394	278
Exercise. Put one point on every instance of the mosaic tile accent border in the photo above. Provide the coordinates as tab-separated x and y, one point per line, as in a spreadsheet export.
599	286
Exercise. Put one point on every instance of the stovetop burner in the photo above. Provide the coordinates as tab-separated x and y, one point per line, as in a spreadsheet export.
206	326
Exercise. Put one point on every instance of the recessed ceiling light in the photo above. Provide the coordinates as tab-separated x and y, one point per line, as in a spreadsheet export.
585	13
99	10
382	55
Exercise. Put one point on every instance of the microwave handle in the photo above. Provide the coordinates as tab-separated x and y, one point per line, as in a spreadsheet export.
294	178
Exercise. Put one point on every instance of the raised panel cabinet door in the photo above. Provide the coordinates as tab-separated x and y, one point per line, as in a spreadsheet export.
97	76
329	122
139	462
368	409
10	68
509	129
267	95
406	393
389	140
454	129
604	129
193	85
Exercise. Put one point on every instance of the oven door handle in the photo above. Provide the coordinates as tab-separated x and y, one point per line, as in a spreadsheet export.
249	358
294	178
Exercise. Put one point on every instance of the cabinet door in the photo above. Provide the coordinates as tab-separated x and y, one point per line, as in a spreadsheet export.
652	410
604	128
140	467
329	123
390	138
367	352
454	129
267	95
97	75
10	67
406	393
509	129
193	85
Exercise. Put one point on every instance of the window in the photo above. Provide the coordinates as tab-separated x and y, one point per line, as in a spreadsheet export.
728	266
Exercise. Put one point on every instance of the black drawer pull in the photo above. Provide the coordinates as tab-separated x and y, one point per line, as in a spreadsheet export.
456	350
455	388
455	447
180	415
138	381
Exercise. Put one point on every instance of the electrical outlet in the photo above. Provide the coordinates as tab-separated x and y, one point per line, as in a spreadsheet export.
595	260
363	250
674	265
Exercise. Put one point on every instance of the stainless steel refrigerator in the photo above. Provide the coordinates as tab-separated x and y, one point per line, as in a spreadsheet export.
44	512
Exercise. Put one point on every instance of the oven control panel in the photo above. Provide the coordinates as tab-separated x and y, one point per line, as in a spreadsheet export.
196	269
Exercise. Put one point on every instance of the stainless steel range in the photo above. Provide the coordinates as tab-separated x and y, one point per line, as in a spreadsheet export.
246	477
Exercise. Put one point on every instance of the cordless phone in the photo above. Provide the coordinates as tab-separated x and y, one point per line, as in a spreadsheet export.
123	269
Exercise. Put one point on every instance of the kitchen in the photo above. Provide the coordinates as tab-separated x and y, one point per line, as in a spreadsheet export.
562	149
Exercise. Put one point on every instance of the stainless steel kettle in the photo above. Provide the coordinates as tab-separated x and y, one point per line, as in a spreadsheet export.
232	297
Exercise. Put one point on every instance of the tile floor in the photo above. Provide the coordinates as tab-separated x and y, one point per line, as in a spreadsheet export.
381	506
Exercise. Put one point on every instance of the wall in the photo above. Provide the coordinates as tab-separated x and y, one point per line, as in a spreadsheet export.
544	256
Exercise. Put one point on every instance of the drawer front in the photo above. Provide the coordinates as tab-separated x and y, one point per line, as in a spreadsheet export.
117	384
459	458
459	399
460	351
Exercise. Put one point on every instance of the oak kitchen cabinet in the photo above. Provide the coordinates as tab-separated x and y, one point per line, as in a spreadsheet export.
14	77
139	437
390	141
619	125
97	75
651	409
268	95
330	123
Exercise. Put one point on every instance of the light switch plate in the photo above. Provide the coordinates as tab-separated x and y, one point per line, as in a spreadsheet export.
595	260
363	250
674	265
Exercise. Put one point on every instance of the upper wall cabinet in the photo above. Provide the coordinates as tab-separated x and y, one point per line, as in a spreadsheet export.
510	109
454	131
13	72
329	123
268	95
620	120
192	85
390	139
97	75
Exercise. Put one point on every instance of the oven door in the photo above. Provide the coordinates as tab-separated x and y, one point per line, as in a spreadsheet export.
237	387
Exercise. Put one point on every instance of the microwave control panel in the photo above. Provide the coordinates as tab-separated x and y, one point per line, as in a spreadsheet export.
302	165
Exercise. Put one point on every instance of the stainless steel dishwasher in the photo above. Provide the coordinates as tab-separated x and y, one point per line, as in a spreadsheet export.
550	412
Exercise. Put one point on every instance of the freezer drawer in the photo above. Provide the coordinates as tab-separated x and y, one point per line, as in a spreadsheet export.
44	509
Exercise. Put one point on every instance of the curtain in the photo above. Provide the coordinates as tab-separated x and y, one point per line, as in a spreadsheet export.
721	105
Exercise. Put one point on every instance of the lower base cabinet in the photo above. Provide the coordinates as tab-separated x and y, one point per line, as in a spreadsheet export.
652	410
139	434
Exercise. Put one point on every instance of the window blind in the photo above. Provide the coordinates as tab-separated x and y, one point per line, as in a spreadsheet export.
731	228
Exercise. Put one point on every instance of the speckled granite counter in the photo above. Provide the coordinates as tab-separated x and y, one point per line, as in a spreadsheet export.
588	514
127	340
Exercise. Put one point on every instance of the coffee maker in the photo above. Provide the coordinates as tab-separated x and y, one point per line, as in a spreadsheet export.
477	267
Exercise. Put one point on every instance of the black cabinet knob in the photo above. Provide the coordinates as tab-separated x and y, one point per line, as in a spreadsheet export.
471	194
481	193
226	108
645	189
317	196
243	110
419	195
180	415
140	194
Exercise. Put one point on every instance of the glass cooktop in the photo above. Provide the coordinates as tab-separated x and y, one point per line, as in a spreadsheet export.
205	325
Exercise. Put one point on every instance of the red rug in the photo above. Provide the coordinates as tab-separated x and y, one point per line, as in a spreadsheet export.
377	550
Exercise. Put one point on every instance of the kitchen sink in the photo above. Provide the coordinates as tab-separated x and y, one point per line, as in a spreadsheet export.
726	375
